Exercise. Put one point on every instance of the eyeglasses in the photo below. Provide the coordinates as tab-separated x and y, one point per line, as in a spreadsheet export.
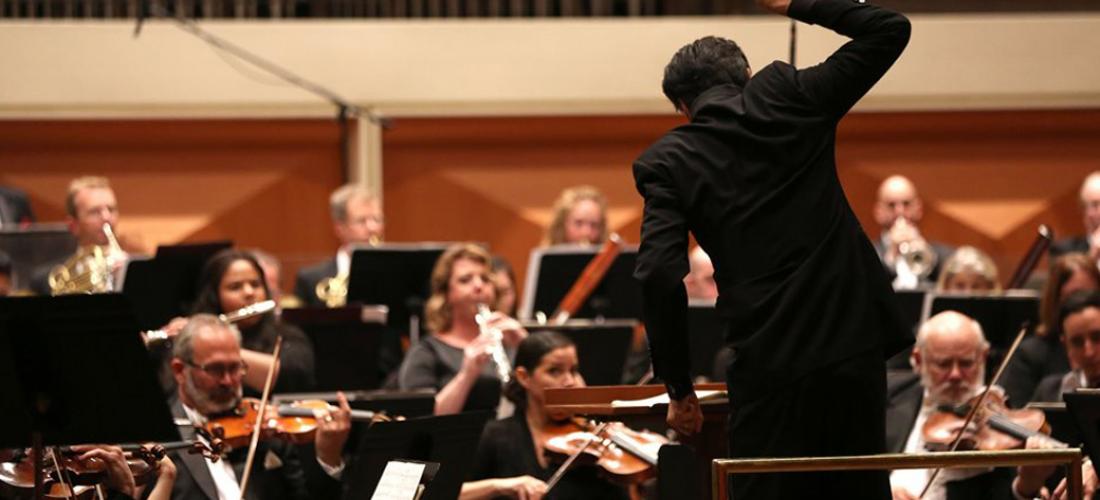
946	364
219	370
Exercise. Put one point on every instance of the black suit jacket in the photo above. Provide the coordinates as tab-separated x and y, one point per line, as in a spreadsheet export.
305	284
280	476
904	395
753	177
14	207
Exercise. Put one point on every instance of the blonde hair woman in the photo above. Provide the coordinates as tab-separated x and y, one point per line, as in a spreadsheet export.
580	217
456	359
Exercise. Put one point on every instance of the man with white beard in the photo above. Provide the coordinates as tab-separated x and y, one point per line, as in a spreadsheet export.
948	370
207	366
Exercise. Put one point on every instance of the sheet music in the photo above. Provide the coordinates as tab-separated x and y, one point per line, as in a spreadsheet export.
663	399
399	481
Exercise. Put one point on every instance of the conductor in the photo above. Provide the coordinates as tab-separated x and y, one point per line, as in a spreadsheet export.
809	307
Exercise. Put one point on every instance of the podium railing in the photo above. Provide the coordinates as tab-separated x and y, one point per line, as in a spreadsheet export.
1070	457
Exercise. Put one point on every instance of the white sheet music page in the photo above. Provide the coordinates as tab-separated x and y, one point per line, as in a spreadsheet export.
399	481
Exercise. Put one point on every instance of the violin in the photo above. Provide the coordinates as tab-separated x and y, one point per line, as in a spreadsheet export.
995	426
623	454
293	422
72	478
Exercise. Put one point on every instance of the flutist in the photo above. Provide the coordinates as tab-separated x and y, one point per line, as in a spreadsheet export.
457	360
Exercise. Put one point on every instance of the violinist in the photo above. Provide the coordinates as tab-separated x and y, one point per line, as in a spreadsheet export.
1043	353
209	366
1080	334
456	360
510	461
92	471
949	362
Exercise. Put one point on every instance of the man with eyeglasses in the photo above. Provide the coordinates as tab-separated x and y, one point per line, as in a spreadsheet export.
208	369
1088	243
948	370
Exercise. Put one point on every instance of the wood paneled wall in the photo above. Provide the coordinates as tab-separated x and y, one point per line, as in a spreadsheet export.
987	178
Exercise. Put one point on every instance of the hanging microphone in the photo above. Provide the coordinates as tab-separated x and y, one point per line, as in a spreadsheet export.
140	17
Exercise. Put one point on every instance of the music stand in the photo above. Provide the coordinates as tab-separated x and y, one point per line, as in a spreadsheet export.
602	347
1084	406
706	337
349	346
81	359
166	286
1001	316
34	251
398	276
552	271
448	440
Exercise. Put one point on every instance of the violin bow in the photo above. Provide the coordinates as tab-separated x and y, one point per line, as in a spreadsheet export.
260	415
973	411
558	474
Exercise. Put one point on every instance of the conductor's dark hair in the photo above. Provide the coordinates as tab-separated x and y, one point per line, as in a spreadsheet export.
529	355
1075	303
700	65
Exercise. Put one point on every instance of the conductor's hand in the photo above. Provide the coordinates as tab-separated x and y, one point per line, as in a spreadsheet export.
776	6
685	415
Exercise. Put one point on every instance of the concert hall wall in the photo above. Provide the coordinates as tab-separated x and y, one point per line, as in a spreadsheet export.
987	177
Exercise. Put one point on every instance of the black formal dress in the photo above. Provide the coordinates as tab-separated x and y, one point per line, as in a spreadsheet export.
432	364
506	449
808	304
305	283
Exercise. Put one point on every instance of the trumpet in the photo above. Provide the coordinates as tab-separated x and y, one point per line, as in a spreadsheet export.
89	270
496	350
249	311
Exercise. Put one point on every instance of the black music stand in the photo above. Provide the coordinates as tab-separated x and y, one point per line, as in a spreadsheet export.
349	348
398	276
1001	317
34	251
166	286
448	440
706	337
1084	406
552	271
70	366
602	347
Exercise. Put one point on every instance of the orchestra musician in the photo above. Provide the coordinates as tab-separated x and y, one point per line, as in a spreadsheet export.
15	210
949	364
90	205
209	366
1043	354
232	279
1088	243
898	212
1079	318
510	461
455	359
968	270
807	301
580	218
504	280
357	220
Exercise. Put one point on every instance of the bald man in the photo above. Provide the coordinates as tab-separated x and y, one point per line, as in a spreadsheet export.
1088	243
948	369
898	212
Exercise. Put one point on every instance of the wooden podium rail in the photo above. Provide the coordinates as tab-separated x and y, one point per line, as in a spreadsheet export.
1071	458
596	402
